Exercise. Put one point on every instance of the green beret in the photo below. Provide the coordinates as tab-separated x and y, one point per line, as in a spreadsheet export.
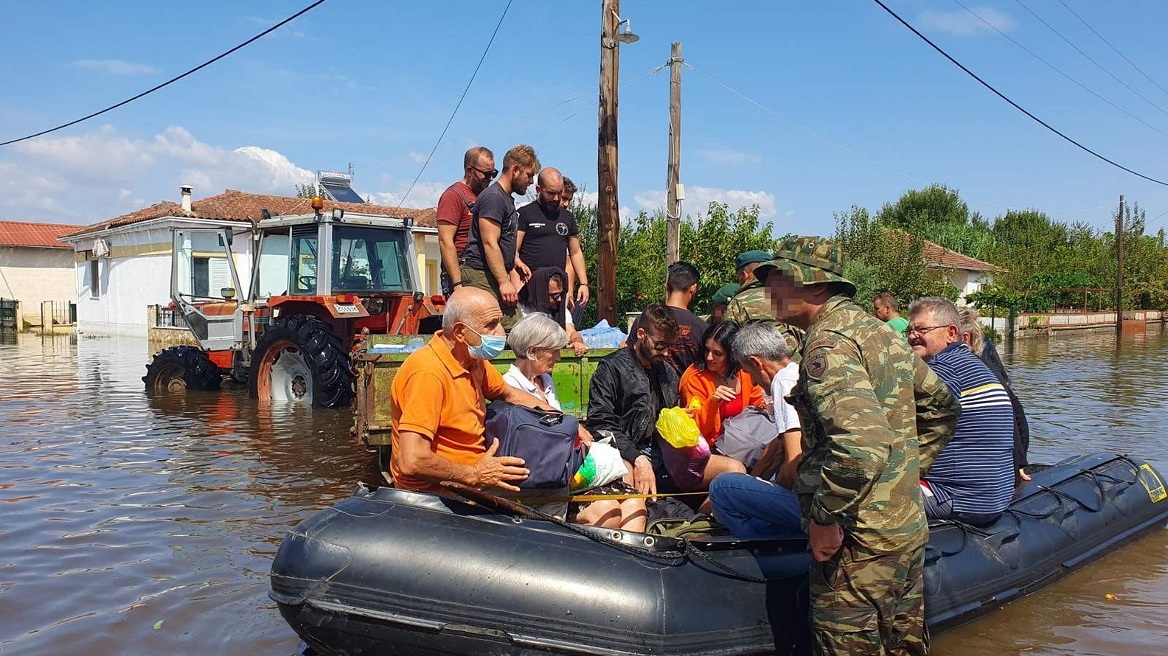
751	257
726	292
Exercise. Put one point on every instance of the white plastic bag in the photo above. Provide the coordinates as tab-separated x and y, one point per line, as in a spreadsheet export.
604	465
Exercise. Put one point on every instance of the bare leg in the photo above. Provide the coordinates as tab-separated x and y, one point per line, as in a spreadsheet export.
720	465
634	517
606	514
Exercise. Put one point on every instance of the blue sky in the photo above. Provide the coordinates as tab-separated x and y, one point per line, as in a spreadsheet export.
803	108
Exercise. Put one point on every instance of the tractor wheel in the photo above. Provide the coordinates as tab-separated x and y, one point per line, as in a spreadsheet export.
181	368
299	359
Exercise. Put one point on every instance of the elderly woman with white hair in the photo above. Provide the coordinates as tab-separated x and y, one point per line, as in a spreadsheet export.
537	341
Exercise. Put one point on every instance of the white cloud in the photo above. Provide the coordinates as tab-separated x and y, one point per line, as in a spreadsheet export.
590	198
424	194
698	199
730	157
964	24
102	174
114	66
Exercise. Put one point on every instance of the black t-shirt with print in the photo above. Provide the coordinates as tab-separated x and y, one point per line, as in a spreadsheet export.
545	235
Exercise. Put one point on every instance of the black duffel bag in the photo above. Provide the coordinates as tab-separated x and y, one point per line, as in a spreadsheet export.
545	439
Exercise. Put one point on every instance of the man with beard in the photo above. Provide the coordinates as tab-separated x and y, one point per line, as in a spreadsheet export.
456	212
630	388
548	235
489	261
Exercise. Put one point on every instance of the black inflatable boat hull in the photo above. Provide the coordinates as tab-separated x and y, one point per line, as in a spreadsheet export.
394	572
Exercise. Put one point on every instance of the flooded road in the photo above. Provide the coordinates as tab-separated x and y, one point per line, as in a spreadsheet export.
131	525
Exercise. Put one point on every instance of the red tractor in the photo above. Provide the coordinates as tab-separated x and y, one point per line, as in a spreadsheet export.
316	282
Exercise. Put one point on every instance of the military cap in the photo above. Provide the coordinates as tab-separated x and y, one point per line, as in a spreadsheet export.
808	260
725	292
750	257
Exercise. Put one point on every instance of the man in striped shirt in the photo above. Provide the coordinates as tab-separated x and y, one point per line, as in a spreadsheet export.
972	479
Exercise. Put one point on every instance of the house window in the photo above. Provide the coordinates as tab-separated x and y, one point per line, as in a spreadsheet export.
94	279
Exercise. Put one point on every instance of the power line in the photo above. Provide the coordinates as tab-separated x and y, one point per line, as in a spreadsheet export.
1113	48
456	107
1056	69
1090	59
1012	103
173	79
625	83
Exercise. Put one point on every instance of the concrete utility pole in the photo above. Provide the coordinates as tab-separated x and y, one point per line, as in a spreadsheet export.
673	173
1119	271
607	207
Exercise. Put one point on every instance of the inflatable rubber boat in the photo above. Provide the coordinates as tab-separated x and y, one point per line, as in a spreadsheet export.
394	572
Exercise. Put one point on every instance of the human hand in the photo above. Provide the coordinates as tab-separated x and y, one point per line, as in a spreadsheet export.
499	472
522	269
583	435
788	472
582	294
507	291
644	479
1023	475
825	540
724	393
579	347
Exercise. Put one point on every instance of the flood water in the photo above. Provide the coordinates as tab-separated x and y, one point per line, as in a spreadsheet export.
136	525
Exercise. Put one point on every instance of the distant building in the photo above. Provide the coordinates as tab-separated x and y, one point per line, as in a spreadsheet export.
967	274
35	267
123	264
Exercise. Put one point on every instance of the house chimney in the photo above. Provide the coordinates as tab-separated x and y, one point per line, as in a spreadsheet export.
186	197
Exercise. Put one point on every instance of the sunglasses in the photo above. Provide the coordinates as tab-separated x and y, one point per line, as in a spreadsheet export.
487	174
662	346
557	297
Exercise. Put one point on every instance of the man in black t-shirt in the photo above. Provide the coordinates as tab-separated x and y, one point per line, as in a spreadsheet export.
548	234
489	261
681	284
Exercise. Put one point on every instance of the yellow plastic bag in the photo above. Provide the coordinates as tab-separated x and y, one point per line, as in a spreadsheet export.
678	428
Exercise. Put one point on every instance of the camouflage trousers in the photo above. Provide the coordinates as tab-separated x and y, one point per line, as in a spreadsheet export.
869	603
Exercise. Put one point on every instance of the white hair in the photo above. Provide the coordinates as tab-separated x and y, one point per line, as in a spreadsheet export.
760	339
536	330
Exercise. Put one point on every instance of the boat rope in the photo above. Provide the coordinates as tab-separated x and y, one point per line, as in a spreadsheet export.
687	550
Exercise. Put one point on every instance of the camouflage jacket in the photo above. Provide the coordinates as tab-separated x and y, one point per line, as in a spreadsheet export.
751	303
874	418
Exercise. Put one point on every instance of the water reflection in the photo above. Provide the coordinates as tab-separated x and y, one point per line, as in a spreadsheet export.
137	524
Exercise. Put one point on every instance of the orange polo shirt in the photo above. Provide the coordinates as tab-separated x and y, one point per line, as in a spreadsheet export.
698	383
435	396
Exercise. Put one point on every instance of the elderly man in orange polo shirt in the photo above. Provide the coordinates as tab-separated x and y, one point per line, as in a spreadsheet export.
439	402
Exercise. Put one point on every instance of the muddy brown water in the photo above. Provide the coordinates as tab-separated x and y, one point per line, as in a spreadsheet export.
137	525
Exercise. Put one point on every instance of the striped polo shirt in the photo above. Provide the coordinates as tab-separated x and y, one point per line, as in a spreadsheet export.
976	468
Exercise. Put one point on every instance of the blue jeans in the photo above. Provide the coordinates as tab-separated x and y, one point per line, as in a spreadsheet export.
753	508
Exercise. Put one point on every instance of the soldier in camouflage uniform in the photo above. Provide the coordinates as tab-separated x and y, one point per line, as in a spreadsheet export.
874	418
751	303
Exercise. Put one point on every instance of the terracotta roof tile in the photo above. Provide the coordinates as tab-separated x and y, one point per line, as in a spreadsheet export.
939	256
232	205
34	235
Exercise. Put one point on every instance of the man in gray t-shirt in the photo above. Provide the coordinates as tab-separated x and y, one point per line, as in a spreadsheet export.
489	261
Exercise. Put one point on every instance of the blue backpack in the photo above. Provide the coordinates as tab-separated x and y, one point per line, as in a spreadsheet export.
545	439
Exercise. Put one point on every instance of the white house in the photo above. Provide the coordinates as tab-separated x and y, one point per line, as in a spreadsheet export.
35	267
123	264
966	273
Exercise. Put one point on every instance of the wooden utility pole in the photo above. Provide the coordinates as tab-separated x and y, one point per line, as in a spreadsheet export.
1119	271
673	172
607	207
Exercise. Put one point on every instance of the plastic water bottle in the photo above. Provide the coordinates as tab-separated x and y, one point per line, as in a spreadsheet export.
415	344
585	475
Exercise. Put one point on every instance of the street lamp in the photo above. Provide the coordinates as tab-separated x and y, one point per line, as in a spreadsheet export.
607	206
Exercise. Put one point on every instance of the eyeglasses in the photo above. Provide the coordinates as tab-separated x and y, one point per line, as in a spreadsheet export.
662	346
487	174
557	297
921	330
